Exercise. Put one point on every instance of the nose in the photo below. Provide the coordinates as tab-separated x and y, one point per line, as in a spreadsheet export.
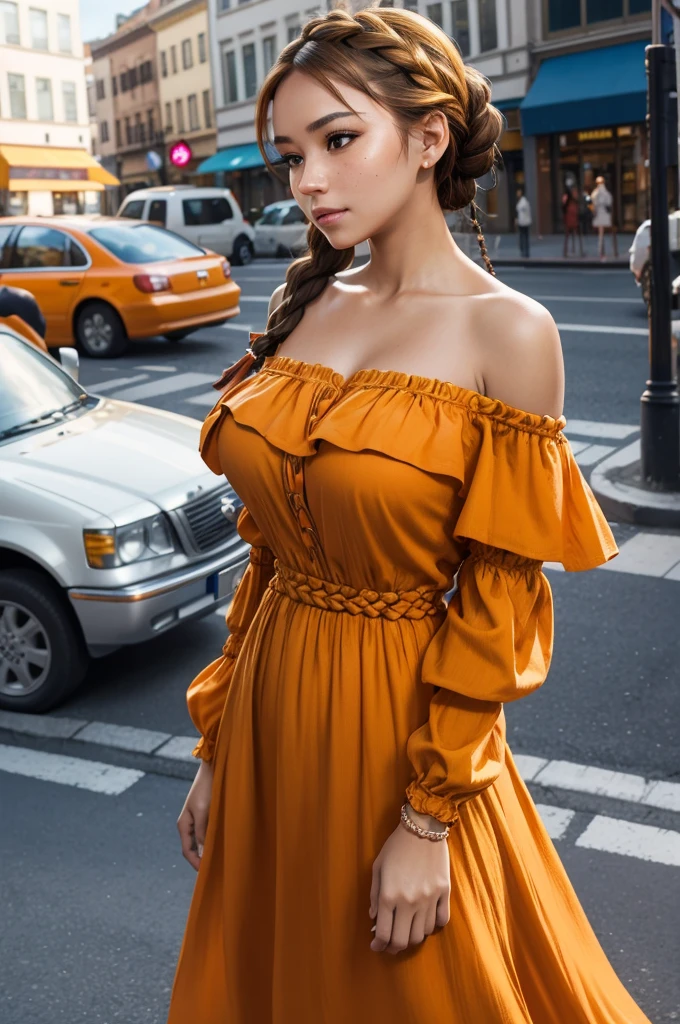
314	176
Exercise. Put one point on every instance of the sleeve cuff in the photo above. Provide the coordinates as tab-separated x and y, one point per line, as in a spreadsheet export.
444	809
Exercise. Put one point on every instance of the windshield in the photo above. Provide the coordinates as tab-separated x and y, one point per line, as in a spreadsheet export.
31	386
143	243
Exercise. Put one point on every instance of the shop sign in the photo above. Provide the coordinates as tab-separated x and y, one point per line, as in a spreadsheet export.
49	173
180	154
594	134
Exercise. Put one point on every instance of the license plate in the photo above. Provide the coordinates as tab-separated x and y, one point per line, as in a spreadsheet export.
221	584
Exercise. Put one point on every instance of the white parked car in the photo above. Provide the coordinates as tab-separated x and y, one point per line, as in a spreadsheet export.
281	230
209	217
112	529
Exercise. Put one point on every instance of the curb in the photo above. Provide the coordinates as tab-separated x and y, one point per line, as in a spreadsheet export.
624	502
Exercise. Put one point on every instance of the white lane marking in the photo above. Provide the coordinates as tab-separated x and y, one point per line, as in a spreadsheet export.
68	771
528	766
647	554
607	431
124	737
237	327
41	725
584	778
555	819
206	401
158	369
612	835
592	453
585	298
603	329
665	795
166	386
253	298
118	382
178	749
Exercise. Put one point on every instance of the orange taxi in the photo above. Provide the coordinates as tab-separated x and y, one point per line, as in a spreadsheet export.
101	282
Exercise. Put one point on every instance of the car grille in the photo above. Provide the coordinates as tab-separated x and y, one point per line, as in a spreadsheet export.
205	522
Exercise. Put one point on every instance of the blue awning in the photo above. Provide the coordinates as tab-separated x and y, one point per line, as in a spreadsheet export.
589	89
235	158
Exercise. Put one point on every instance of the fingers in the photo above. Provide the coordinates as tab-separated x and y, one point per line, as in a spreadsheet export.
375	890
443	912
185	827
383	925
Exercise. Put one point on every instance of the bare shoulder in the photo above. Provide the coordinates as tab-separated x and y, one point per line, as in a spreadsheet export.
277	296
522	361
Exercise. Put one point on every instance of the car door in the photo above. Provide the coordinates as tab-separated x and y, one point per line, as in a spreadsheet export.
266	231
217	227
293	229
51	265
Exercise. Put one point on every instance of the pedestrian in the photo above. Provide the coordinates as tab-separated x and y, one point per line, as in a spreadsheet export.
523	221
603	220
570	215
356	795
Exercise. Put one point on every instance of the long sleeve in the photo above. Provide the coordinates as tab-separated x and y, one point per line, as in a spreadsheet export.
208	691
495	645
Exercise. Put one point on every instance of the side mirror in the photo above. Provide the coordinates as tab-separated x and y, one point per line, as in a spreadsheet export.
70	361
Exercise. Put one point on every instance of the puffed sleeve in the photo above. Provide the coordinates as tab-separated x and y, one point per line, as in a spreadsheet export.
525	503
208	691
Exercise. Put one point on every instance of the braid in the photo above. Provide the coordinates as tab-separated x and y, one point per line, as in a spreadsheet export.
480	238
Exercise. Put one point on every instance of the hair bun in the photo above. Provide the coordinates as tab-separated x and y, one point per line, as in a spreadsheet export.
476	151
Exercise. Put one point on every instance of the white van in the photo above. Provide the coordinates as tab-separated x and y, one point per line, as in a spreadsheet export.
208	217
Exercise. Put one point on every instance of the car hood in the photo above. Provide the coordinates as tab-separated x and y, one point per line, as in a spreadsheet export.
118	459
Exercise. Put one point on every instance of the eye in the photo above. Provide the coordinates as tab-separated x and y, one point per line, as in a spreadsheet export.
331	139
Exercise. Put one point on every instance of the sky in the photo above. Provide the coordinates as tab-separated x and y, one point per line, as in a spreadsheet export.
99	19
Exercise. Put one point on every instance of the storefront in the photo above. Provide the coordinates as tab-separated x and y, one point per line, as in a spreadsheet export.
243	170
42	180
587	113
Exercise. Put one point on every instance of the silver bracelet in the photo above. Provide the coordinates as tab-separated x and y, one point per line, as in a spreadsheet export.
435	837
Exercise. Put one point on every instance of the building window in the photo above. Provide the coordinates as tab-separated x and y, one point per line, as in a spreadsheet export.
223	5
100	89
132	78
9	23
187	54
114	83
434	13
168	118
563	15
460	26
119	136
207	108
38	23
151	123
129	138
104	131
173	59
68	93
17	96
293	32
639	7
64	33
194	122
268	52
230	80
411	5
202	52
164	64
179	115
123	81
603	10
249	72
146	71
44	92
488	30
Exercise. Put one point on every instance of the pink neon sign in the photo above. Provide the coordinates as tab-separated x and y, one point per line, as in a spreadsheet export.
180	154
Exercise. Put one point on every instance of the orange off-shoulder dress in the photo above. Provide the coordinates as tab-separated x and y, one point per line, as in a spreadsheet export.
347	683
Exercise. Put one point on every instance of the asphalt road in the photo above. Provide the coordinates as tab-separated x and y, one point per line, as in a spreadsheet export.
94	889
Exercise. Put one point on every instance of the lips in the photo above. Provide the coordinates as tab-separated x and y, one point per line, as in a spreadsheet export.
327	214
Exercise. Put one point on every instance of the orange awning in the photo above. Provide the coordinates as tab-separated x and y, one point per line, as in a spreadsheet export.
54	185
44	157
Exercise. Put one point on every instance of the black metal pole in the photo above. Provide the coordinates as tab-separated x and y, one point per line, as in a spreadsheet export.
660	402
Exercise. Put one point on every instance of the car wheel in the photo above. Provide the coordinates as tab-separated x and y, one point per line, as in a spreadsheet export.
177	335
243	251
100	333
646	284
42	656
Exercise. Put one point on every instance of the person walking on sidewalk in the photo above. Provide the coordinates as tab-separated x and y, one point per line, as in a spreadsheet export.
572	224
523	221
603	206
366	848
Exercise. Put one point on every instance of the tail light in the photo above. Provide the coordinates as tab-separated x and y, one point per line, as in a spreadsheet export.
152	283
226	268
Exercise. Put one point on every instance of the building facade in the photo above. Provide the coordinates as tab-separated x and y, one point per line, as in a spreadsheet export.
184	83
45	161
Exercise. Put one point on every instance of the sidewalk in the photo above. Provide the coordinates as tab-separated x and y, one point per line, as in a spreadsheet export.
617	484
546	251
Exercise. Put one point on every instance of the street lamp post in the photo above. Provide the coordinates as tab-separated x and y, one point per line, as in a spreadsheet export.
660	402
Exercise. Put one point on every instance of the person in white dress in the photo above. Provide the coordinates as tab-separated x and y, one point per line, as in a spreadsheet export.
603	205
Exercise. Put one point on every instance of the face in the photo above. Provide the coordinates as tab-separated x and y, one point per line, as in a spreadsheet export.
353	164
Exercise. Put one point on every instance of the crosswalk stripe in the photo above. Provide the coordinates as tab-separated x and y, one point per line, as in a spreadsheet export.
603	329
555	819
629	839
68	771
165	386
586	298
647	554
606	431
592	453
117	382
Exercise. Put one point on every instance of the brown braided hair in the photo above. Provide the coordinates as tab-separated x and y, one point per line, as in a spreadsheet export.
410	67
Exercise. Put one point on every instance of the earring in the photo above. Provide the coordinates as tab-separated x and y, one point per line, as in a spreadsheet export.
425	163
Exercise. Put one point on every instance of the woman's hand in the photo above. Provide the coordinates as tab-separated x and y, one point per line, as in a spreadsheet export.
411	887
193	820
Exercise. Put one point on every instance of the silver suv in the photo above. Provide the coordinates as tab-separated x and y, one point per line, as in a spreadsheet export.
112	529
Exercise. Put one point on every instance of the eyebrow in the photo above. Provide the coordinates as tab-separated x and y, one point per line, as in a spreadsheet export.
315	125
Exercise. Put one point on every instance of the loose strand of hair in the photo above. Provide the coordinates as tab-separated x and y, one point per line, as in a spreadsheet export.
480	238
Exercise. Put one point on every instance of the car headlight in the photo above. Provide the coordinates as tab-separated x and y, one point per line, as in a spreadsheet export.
148	538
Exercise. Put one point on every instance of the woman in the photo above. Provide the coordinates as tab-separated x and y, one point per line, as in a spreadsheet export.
572	223
602	215
350	705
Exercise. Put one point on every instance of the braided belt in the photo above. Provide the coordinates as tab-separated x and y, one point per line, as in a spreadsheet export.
337	597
